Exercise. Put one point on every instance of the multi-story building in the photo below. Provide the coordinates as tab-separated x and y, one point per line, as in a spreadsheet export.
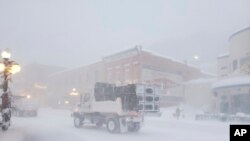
81	79
239	49
141	66
239	55
134	65
32	80
233	88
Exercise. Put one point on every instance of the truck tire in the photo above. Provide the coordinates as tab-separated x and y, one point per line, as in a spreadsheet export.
113	125
5	128
78	122
134	127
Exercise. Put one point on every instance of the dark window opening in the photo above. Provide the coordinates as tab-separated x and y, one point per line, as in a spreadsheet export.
235	64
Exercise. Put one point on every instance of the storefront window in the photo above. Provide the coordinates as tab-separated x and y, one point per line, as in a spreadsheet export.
235	65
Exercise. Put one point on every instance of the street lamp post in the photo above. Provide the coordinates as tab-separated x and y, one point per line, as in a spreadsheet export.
7	68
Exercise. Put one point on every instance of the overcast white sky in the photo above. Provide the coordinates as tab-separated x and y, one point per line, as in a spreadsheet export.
72	33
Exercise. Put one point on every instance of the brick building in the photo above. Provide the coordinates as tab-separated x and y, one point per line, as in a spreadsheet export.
134	65
141	66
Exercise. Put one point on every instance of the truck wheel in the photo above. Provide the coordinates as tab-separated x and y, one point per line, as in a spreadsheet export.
78	122
112	125
134	127
5	128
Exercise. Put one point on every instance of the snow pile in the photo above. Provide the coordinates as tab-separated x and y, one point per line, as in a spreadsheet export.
223	55
233	81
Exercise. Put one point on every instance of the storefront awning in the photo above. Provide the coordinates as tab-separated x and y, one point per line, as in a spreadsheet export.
237	81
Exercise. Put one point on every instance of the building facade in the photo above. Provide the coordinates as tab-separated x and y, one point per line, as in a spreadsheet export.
239	56
233	87
223	65
134	65
142	66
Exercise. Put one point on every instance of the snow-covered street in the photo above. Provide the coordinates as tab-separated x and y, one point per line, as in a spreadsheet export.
57	125
124	70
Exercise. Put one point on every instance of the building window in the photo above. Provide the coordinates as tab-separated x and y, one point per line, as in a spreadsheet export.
235	65
118	76
109	76
127	65
135	62
163	85
244	60
223	68
96	75
135	71
223	98
87	77
224	75
127	78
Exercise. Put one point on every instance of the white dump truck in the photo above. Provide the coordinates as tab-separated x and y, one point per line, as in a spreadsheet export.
116	107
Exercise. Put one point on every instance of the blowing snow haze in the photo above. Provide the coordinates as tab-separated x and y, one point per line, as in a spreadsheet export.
72	33
124	70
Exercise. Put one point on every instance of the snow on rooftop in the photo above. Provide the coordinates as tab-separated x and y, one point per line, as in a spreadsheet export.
202	80
233	81
136	48
171	58
164	56
223	55
148	51
122	50
239	31
209	73
179	61
74	68
153	53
